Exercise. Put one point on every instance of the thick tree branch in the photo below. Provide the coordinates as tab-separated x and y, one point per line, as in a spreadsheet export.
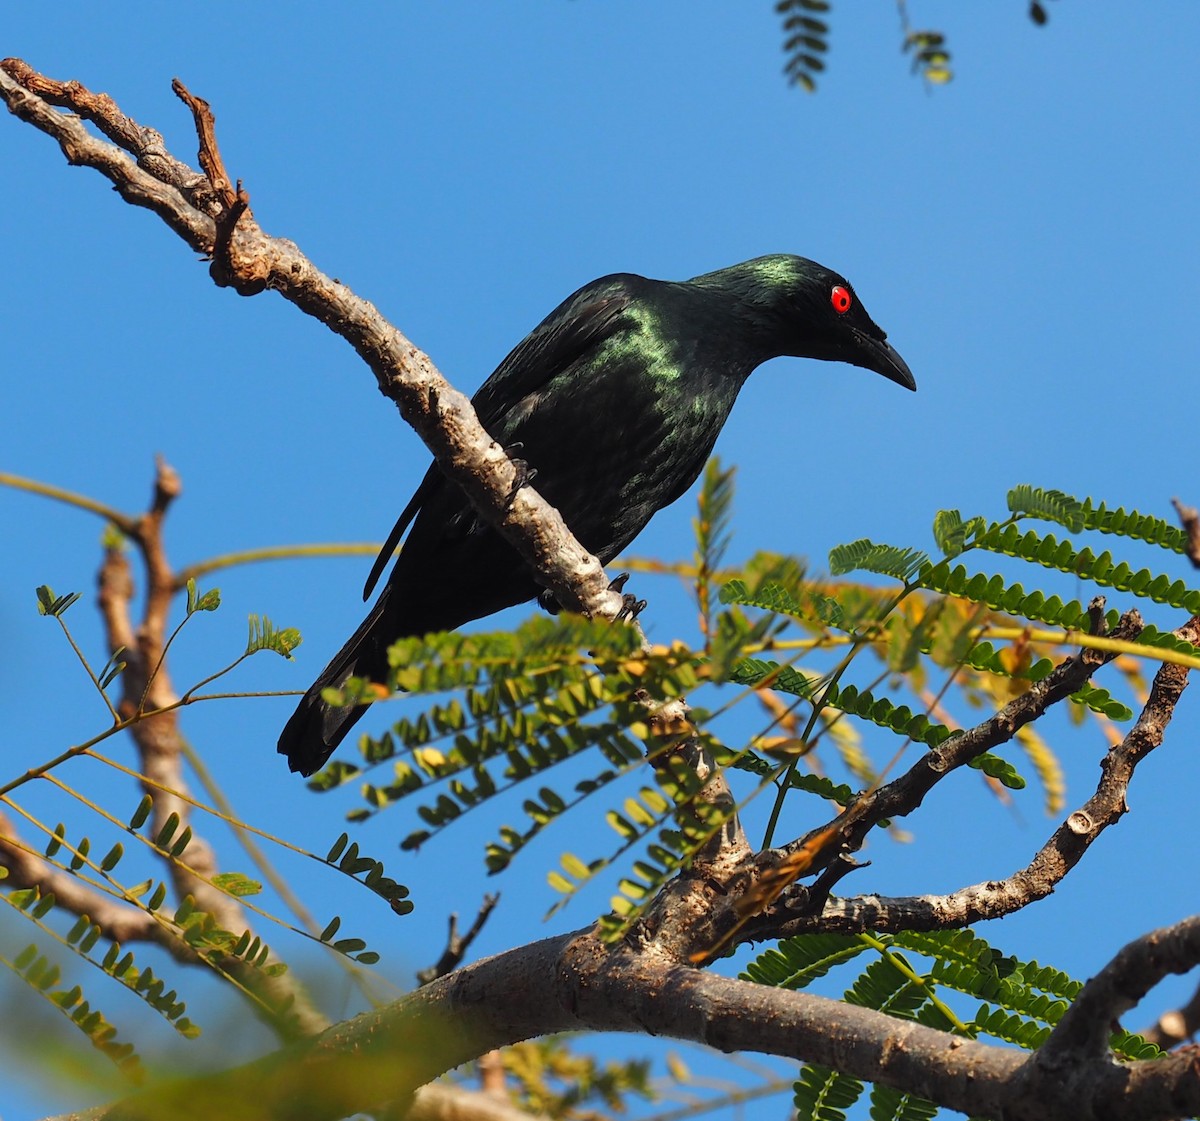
573	982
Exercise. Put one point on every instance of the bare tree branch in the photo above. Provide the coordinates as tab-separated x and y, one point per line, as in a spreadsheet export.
996	898
146	687
457	944
213	221
1189	518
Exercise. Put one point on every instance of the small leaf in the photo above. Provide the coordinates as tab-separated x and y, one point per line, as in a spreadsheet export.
234	883
113	858
185	839
167	831
331	929
25	957
112	668
55	842
337	848
142	812
210	600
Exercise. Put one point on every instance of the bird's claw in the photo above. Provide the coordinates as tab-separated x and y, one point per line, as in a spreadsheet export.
547	602
524	476
618	582
631	608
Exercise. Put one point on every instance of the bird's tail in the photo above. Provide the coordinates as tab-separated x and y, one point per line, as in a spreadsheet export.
316	727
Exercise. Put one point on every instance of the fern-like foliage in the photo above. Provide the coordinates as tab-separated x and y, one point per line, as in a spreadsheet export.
796	962
806	40
528	701
42	977
868	556
930	56
711	528
824	1094
1019	1002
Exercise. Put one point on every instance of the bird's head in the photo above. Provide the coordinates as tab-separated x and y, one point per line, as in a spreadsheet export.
812	312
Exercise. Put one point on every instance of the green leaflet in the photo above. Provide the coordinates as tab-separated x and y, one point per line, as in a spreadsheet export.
1050	505
1078	515
886	560
1049	552
822	1094
42	977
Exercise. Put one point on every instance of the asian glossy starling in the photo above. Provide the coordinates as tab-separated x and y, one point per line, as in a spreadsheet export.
615	400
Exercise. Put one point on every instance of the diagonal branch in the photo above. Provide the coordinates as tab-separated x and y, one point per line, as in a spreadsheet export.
996	898
212	222
904	794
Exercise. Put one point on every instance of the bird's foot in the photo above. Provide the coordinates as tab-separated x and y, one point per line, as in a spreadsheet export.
524	474
631	608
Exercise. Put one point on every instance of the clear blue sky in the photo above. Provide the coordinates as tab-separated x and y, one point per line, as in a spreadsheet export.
1027	237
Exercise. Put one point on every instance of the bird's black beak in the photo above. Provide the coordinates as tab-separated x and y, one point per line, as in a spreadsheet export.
879	355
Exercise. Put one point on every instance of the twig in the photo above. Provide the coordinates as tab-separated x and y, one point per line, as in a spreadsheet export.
1189	518
457	945
996	898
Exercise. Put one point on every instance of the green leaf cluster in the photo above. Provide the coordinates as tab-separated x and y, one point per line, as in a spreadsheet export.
806	40
1017	1002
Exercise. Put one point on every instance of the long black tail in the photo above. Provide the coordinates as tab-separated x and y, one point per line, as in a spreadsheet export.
316	728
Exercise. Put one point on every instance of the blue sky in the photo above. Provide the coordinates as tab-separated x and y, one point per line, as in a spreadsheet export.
1026	236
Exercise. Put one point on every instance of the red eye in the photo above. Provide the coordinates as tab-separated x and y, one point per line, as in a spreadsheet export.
841	299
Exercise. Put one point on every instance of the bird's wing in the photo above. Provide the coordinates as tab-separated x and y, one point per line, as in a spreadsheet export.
580	322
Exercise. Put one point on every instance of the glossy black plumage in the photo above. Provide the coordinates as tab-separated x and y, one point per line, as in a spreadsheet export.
616	400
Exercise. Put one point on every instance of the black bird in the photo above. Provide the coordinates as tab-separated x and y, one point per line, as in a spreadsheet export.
615	401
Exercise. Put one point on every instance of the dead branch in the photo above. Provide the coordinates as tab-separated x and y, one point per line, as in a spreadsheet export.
222	226
996	898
